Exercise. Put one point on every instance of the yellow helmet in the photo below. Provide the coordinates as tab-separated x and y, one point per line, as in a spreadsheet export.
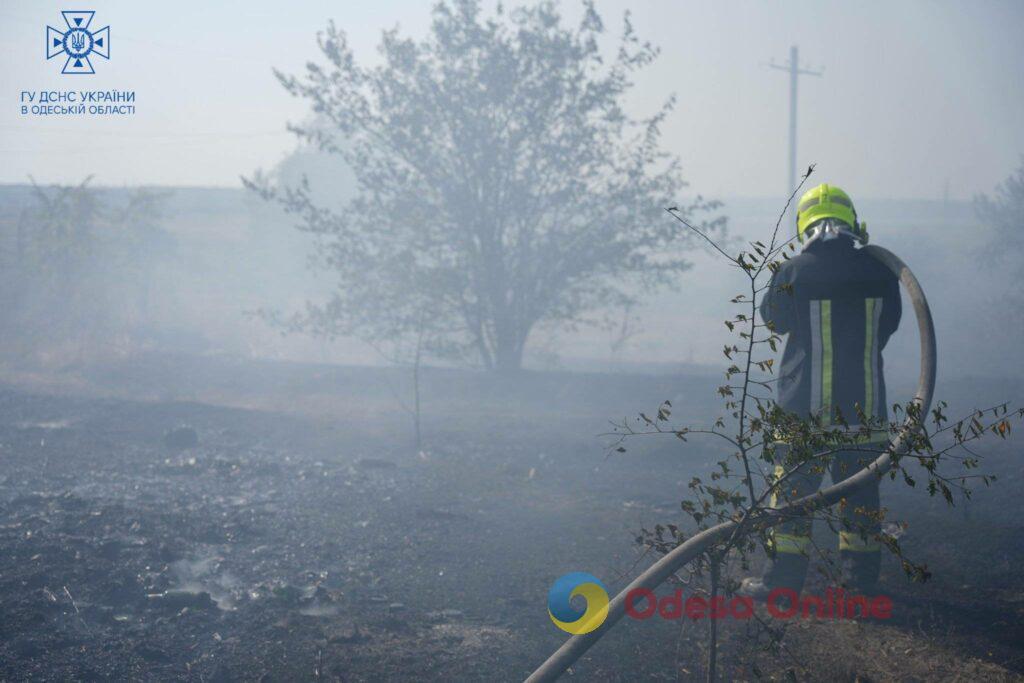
827	201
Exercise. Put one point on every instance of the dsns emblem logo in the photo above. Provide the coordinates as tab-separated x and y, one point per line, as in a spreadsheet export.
78	42
560	607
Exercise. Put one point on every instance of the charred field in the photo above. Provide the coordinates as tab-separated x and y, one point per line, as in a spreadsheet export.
216	520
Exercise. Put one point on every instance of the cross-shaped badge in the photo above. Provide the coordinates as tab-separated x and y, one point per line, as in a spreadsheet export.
78	42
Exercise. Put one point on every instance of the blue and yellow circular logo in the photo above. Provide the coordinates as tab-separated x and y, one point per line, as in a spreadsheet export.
560	607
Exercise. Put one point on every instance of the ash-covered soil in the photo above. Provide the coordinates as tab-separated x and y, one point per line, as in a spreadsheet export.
165	540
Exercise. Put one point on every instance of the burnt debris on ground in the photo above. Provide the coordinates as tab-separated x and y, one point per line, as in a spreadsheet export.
180	540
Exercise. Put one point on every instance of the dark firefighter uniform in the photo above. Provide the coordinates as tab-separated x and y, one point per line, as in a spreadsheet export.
839	306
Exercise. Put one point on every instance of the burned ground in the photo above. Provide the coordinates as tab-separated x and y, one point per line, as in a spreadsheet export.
289	531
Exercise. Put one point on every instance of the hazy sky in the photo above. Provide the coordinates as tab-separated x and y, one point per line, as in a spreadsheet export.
914	94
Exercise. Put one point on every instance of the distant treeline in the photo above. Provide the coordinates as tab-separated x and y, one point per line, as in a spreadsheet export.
88	271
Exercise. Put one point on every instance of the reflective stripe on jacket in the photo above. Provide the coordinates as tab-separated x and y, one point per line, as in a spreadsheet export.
839	310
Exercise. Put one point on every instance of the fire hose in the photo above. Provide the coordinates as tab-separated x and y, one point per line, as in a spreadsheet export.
656	574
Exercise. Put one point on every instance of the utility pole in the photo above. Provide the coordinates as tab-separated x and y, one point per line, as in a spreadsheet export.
793	67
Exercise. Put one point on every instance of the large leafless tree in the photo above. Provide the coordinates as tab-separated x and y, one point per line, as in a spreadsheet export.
501	182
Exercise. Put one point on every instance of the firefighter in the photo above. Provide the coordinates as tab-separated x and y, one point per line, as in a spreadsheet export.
839	306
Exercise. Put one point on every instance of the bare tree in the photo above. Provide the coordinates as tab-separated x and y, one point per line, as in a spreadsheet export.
1004	214
501	182
76	271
